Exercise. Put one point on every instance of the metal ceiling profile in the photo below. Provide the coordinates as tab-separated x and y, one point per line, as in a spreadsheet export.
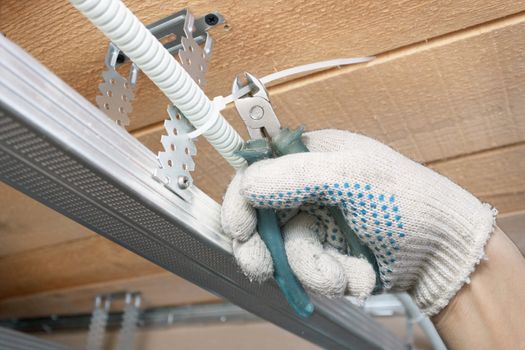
61	150
14	340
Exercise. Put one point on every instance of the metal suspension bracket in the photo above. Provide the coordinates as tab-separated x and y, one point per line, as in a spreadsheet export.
117	91
97	326
175	162
183	36
101	315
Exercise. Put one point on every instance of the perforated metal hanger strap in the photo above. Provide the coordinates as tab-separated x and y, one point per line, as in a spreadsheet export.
194	47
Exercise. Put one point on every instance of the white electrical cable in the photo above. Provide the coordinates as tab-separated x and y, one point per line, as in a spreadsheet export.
220	102
125	30
415	316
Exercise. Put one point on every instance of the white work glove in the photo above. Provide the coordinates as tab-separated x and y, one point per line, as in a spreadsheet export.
426	232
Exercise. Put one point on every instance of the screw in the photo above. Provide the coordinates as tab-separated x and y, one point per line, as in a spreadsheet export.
211	19
183	182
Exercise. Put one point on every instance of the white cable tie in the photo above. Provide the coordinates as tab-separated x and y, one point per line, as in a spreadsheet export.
220	102
217	106
298	70
314	66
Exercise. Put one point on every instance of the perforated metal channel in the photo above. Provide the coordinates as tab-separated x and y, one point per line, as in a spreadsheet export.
40	169
14	340
94	202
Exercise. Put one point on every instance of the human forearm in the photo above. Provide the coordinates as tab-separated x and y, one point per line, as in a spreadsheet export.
489	312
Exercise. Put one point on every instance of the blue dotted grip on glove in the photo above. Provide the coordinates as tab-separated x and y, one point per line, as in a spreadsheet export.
375	218
289	142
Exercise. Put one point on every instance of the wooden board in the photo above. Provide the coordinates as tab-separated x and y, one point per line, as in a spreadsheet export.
453	96
25	224
447	89
496	177
261	36
159	289
84	261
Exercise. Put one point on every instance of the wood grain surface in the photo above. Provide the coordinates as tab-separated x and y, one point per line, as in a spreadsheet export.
157	289
259	36
447	89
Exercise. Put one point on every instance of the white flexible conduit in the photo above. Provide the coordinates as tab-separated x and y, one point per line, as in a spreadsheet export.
125	30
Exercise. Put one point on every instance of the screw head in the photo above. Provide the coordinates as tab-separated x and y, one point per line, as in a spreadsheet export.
183	182
211	19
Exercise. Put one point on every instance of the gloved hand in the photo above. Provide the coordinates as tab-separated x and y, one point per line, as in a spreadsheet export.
426	232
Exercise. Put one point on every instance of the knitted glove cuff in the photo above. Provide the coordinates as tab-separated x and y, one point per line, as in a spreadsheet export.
444	275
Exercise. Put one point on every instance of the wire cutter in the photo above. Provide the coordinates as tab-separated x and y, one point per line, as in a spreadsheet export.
268	139
257	113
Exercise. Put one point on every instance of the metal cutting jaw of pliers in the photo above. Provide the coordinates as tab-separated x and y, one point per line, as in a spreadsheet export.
256	109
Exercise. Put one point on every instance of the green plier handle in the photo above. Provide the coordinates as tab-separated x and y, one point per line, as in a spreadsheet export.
270	232
257	113
289	142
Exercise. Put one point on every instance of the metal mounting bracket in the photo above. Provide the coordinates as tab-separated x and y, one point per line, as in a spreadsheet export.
117	91
183	36
175	162
100	316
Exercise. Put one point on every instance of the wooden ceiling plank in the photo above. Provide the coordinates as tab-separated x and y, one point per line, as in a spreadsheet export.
84	261
159	289
261	37
26	224
430	103
496	176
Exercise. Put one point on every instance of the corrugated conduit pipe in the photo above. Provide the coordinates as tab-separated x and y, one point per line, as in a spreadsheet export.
125	30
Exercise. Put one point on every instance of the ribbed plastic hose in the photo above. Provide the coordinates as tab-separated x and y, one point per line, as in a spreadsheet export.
125	30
